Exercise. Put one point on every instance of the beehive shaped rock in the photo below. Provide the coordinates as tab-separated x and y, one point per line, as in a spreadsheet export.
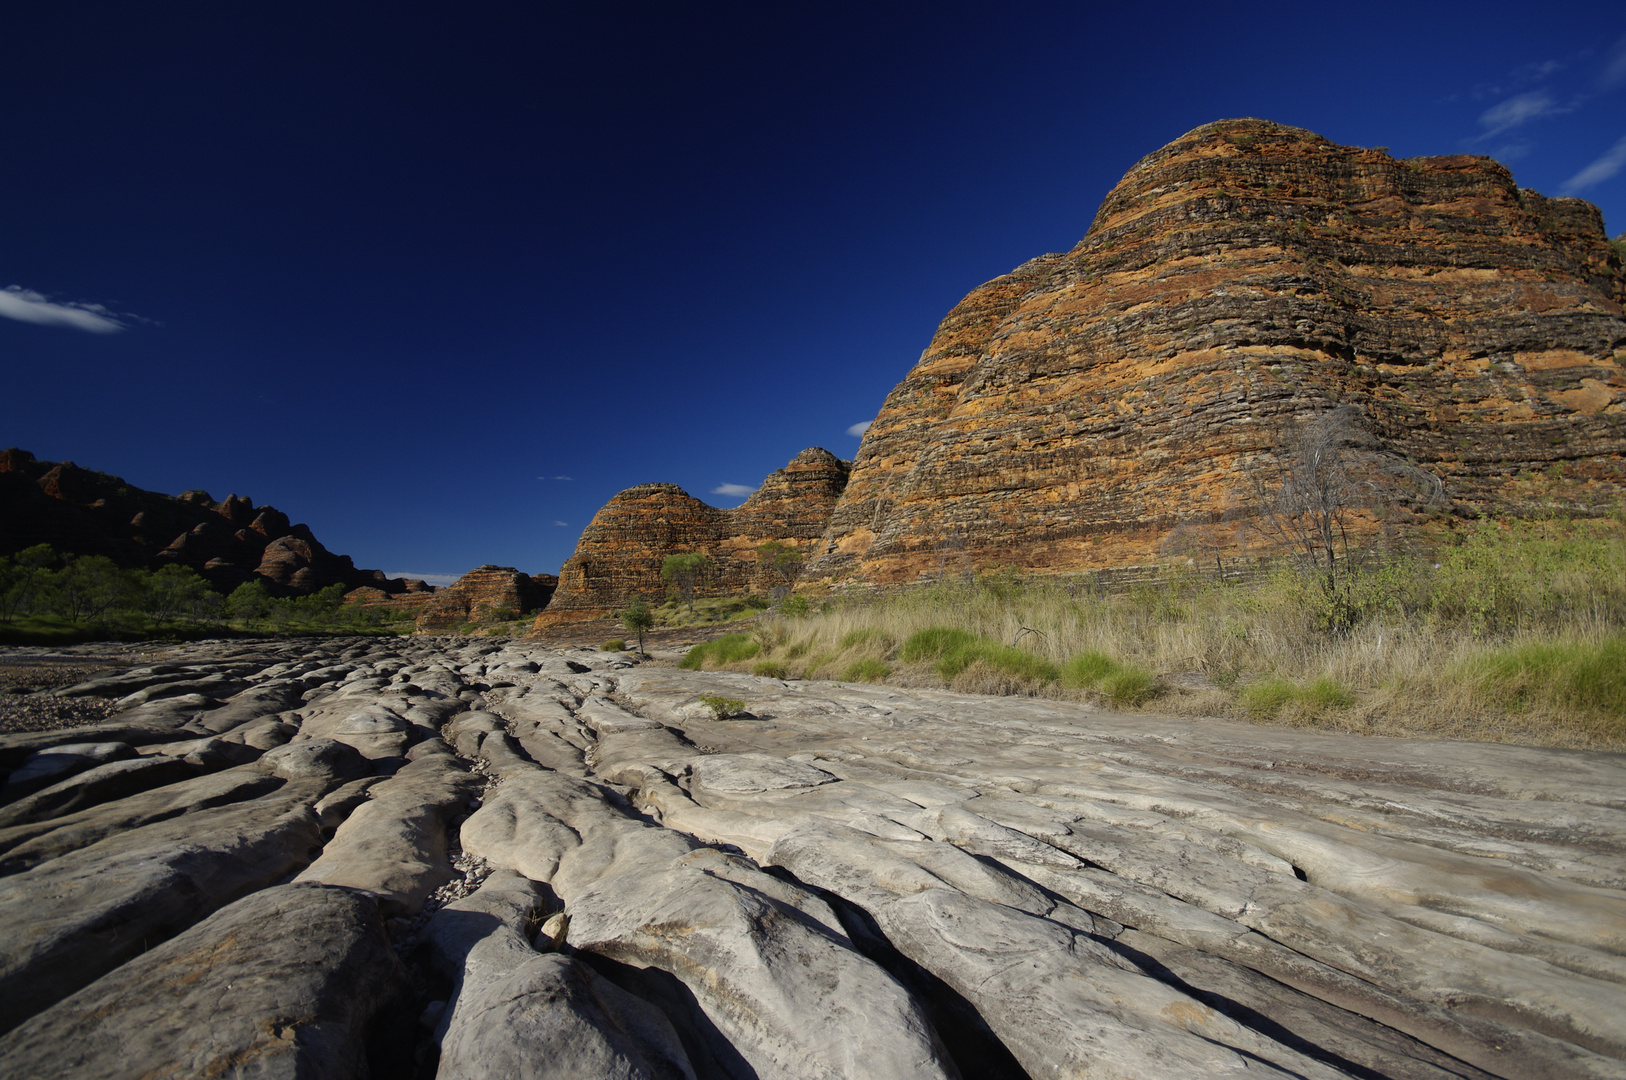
1073	412
620	553
482	593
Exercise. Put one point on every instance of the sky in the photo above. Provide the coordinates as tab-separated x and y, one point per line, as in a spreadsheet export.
439	280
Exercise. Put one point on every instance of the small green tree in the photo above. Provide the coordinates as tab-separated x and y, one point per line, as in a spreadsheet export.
27	582
249	602
173	590
781	564
636	618
90	585
683	572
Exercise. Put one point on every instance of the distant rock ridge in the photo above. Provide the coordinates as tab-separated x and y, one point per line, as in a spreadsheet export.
82	512
481	594
620	553
1072	413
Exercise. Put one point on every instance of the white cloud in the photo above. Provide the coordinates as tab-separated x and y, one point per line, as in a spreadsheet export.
733	491
1606	166
1614	68
562	524
433	579
26	305
1518	109
857	430
556	478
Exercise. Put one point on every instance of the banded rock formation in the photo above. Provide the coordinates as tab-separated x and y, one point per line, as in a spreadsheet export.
620	552
481	593
81	512
331	858
1073	412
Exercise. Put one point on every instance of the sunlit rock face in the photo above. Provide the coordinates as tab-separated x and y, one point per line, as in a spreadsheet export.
1073	412
620	553
481	594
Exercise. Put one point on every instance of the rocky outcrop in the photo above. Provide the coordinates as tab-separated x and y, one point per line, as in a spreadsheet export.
483	592
81	512
417	856
1072	413
620	552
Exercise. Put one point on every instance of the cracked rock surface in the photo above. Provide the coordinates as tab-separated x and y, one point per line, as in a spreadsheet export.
426	857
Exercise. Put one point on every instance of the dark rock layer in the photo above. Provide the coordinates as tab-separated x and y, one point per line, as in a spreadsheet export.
1070	414
81	512
620	553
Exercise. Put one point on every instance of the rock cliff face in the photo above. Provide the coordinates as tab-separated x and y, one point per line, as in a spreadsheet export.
1075	411
620	553
82	512
482	592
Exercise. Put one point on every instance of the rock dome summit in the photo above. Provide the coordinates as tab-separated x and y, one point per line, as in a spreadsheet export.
1071	414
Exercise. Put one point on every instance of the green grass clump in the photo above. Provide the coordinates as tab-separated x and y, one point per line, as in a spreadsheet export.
1121	684
613	645
867	670
956	650
722	707
1269	696
728	649
768	669
1586	676
933	642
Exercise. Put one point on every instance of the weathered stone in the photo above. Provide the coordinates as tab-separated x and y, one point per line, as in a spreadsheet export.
620	553
81	512
71	919
483	592
290	982
1074	413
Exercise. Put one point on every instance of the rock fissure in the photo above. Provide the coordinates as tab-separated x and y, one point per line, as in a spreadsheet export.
860	881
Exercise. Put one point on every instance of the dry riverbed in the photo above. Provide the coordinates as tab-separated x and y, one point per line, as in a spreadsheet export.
464	858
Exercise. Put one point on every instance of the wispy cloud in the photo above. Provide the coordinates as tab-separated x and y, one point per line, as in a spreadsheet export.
1601	169
433	579
556	478
733	491
857	430
26	305
1614	66
1518	109
562	524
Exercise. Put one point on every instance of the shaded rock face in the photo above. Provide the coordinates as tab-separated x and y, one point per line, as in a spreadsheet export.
463	858
620	552
81	512
482	591
1073	412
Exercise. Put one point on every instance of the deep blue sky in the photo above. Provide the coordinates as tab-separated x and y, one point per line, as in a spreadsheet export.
399	269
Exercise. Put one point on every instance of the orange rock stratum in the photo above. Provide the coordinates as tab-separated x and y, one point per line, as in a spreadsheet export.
1072	413
1076	412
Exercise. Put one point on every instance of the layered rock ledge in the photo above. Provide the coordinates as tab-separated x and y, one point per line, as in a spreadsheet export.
431	857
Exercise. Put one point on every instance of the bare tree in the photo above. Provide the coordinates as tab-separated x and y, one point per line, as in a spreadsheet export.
1328	471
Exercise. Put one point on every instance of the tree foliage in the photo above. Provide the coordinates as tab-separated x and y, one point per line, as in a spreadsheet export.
637	618
684	572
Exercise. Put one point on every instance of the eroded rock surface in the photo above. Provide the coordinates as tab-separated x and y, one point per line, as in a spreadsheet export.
582	874
1076	412
619	555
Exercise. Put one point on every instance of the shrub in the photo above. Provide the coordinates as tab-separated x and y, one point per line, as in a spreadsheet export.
613	645
1087	669
867	670
932	642
728	649
1121	684
767	669
722	707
